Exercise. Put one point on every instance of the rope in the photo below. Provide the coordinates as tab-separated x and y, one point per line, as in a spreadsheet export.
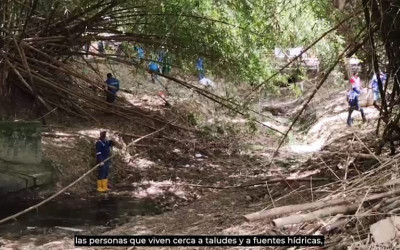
73	183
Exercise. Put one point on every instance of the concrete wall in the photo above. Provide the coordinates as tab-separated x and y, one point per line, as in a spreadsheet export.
21	163
20	142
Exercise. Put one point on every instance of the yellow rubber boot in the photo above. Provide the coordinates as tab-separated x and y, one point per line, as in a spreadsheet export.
105	184
100	186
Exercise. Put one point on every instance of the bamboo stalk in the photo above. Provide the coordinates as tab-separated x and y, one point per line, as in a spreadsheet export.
25	83
315	205
301	218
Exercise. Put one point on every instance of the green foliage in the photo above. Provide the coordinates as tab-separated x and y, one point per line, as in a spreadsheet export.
236	38
192	119
296	90
252	126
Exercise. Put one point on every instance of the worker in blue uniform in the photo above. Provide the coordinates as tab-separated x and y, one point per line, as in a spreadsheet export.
103	151
375	87
354	105
200	68
100	47
154	68
140	54
112	88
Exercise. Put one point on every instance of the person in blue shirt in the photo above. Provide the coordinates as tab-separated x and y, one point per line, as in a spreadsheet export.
375	87
140	53
103	152
154	68
100	47
164	60
200	68
120	49
112	88
161	55
354	105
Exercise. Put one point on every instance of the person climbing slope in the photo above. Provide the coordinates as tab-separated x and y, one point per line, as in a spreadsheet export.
200	68
161	54
354	105
100	47
120	49
375	87
165	60
111	88
103	151
154	68
140	53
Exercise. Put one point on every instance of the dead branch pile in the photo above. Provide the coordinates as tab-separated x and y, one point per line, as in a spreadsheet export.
351	205
35	48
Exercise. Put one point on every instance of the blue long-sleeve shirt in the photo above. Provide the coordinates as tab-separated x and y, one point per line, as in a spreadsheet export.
161	56
114	83
103	150
199	64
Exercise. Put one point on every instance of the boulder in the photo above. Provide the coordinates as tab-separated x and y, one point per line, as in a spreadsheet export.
366	98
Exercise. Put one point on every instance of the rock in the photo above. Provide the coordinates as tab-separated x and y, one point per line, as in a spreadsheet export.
10	183
207	83
42	178
199	155
21	163
366	98
248	198
383	231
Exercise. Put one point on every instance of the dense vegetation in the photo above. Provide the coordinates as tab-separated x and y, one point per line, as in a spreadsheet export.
236	38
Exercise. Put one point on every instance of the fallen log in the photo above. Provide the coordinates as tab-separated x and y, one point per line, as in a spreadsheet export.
300	218
314	205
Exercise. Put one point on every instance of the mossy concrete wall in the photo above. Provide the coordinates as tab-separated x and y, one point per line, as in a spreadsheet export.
21	163
20	142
